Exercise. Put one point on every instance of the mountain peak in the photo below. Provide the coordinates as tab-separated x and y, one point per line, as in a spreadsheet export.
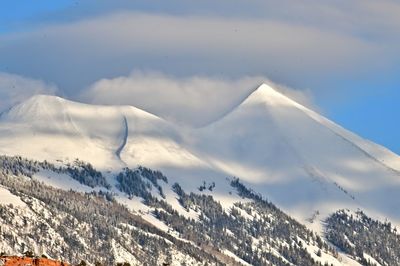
266	90
265	87
39	106
266	94
39	99
35	106
43	97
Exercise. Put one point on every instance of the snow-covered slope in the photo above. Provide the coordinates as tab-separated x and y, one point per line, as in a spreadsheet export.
301	161
52	128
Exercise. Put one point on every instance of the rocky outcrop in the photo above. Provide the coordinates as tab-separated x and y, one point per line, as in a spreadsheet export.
27	261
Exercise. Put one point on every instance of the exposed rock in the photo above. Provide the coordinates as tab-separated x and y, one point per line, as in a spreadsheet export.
25	261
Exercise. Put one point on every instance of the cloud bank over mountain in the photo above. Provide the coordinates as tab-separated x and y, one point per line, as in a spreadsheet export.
192	100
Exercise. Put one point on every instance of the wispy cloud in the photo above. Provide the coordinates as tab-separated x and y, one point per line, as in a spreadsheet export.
182	45
15	88
192	101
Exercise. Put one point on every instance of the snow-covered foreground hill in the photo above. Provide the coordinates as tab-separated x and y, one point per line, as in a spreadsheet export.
303	163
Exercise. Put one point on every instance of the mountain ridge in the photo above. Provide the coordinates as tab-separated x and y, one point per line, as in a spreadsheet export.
43	99
268	140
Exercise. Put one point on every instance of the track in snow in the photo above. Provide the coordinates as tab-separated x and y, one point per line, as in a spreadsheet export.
124	138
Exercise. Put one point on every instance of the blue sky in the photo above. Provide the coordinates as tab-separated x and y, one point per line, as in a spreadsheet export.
343	56
19	14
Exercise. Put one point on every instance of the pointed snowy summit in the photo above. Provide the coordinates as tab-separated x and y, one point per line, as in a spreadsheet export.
268	95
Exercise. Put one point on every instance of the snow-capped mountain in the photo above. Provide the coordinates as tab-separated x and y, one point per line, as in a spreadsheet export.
300	161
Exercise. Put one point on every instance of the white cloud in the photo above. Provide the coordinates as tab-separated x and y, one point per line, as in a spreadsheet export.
15	88
186	45
192	101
